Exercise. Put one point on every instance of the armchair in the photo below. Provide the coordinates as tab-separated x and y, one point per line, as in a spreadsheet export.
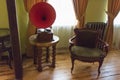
86	46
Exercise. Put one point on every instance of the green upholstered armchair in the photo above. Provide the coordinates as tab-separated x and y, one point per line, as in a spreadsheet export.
86	46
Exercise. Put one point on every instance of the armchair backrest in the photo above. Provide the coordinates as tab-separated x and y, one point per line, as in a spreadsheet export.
99	26
86	38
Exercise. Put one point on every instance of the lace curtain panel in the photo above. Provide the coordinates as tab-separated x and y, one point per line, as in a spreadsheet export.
116	35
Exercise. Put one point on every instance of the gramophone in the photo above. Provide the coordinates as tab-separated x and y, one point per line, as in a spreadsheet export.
42	15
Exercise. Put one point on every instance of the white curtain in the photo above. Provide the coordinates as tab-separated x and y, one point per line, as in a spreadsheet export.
116	36
65	21
64	33
64	11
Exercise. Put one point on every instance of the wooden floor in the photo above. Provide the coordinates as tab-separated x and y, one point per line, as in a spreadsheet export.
110	69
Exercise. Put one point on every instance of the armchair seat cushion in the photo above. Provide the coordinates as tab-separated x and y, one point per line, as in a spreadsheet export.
87	52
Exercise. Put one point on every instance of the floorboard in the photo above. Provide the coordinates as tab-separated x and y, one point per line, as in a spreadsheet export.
110	69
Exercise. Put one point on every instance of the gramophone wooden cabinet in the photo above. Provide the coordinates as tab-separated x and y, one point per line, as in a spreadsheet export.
38	51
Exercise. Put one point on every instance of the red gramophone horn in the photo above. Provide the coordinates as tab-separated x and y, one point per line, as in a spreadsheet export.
42	15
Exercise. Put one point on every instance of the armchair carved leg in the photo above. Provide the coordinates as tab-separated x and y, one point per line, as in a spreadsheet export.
100	64
72	60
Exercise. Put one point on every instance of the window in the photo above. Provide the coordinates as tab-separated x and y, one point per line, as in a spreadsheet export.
117	20
116	38
65	15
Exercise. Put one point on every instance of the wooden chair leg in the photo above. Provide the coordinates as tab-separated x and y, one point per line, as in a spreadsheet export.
10	58
100	64
72	60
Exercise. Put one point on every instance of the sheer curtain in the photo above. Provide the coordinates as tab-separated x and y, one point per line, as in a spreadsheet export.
64	12
65	20
116	35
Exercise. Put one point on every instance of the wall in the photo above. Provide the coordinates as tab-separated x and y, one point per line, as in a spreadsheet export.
3	15
22	23
96	10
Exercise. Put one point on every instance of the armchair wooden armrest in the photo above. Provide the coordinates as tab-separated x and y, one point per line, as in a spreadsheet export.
103	45
72	42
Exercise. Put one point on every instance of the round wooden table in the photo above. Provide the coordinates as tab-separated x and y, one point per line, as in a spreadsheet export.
37	46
